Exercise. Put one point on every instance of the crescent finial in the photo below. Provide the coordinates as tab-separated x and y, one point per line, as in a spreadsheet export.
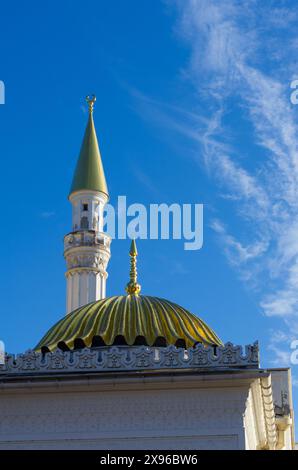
91	100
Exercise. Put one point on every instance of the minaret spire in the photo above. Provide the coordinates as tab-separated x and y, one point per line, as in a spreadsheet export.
87	247
89	173
133	288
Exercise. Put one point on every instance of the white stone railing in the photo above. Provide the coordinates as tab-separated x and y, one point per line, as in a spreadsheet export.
132	358
86	238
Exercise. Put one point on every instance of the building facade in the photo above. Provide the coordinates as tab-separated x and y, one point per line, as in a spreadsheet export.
134	371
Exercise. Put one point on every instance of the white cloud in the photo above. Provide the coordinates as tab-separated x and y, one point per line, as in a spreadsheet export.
238	55
280	344
226	44
242	184
236	252
280	336
282	357
284	301
239	59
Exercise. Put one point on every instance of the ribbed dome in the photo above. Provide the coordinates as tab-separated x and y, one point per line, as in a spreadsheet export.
128	319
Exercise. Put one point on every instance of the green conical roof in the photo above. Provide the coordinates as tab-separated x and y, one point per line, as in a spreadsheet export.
89	173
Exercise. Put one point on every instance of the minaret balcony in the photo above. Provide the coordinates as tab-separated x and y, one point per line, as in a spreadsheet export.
86	238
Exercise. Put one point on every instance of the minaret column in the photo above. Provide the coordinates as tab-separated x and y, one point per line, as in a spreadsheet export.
86	251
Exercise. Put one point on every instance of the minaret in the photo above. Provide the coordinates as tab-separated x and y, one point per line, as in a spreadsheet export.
87	248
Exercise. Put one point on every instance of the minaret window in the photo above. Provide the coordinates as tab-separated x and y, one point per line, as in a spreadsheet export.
85	207
84	223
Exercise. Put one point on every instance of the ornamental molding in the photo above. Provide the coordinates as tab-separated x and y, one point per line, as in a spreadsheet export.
124	358
87	238
94	260
269	412
89	271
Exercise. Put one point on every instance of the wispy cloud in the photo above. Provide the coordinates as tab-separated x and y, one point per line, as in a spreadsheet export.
241	64
236	58
228	46
279	344
236	252
282	357
284	301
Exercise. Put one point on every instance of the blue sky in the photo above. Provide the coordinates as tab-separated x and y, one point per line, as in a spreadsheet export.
193	106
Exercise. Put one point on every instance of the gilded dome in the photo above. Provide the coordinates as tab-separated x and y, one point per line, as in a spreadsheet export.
128	319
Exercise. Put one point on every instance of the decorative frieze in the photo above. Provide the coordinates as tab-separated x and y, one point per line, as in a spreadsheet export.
86	238
95	260
111	359
87	253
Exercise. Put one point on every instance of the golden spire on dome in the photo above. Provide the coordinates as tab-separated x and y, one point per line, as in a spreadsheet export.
91	101
133	288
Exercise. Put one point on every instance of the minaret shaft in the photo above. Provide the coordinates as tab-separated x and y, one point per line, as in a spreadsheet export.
86	250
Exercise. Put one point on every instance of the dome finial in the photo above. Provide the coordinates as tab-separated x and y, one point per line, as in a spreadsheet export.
133	288
91	100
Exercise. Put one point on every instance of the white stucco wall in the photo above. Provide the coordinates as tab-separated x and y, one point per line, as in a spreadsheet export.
126	413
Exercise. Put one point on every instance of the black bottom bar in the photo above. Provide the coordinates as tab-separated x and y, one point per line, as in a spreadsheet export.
137	459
